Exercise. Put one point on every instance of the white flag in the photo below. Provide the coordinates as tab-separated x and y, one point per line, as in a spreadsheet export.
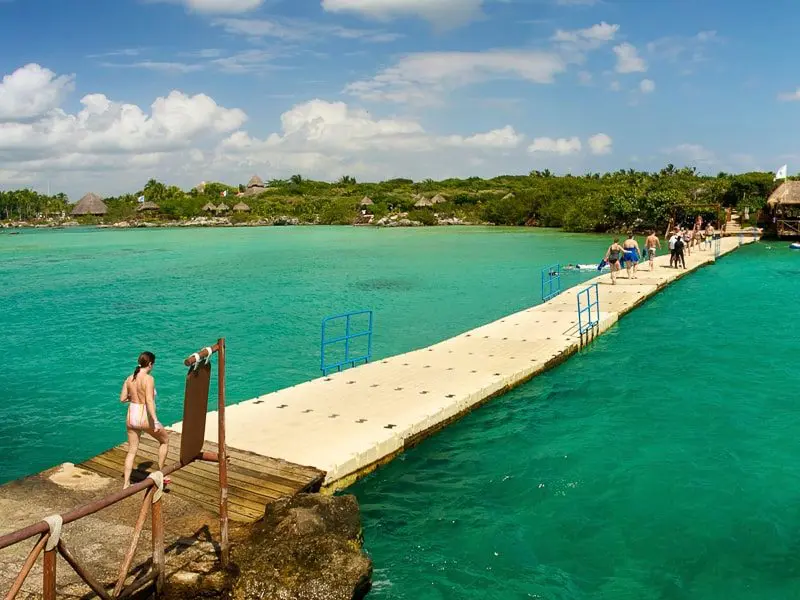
140	199
782	172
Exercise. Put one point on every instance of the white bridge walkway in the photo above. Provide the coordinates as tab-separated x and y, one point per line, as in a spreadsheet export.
348	423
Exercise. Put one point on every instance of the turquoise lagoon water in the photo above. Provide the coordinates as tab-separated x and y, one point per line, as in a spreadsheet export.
661	463
79	305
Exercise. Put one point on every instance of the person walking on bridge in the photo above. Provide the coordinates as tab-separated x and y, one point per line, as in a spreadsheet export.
139	390
651	243
612	257
631	255
680	244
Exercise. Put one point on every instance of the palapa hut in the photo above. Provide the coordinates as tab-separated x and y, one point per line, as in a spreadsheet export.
223	208
784	205
367	201
90	204
438	199
423	202
209	208
147	207
255	186
241	207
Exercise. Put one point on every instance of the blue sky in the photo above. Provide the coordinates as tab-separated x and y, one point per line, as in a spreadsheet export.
103	94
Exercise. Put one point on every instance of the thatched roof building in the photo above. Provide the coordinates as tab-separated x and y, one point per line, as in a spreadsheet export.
367	201
147	206
223	207
438	199
209	207
255	186
90	204
241	207
509	196
423	203
788	193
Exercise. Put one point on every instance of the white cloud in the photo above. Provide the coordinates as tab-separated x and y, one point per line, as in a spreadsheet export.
615	86
600	144
790	96
682	49
442	13
424	77
296	30
588	39
506	137
647	86
32	91
628	59
108	136
561	146
217	6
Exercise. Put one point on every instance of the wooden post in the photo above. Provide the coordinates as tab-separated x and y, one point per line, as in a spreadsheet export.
27	566
223	457
49	575
137	530
157	535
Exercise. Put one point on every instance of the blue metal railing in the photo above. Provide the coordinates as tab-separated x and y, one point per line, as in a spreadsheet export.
717	245
551	282
347	358
588	299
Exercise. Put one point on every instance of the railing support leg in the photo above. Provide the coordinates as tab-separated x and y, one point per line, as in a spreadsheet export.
49	575
223	458
157	536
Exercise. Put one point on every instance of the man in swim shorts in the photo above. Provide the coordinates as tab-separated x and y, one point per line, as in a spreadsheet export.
650	245
613	254
631	255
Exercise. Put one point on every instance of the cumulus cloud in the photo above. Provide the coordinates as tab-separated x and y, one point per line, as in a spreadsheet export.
424	77
442	13
628	59
647	86
561	146
217	6
588	39
185	138
600	144
31	91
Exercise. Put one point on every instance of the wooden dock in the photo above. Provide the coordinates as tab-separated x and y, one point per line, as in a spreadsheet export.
253	480
349	423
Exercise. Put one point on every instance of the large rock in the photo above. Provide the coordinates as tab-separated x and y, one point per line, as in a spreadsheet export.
306	548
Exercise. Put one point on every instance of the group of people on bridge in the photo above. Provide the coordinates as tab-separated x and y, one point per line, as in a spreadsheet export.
680	242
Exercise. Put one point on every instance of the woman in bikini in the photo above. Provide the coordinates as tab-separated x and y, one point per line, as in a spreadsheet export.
613	254
139	390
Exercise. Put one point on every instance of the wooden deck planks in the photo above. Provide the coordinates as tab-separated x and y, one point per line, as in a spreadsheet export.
253	480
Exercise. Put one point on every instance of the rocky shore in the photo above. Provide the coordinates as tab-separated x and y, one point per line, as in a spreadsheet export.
308	547
400	220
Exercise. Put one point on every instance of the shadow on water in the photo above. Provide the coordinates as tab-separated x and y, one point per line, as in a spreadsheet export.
385	284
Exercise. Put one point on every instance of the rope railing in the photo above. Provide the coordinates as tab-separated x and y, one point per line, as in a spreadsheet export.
50	543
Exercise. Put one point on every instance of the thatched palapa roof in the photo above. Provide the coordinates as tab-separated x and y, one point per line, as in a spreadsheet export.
423	203
509	196
438	199
787	193
367	201
209	207
223	207
256	181
241	207
90	204
147	206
